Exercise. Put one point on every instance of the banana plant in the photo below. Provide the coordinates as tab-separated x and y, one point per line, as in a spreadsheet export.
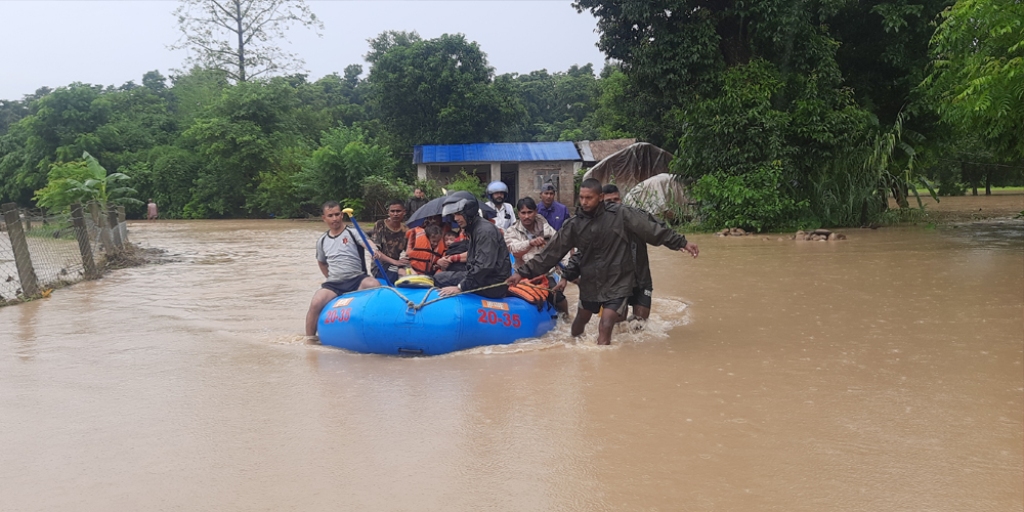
893	158
84	181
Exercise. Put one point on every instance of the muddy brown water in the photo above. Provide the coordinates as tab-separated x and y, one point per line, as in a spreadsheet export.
879	373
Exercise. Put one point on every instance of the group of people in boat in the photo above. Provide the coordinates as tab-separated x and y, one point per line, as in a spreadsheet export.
602	248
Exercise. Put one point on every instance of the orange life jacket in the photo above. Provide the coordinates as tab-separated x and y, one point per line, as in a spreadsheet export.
535	296
422	256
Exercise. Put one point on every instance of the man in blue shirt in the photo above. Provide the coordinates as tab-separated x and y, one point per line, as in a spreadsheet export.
554	212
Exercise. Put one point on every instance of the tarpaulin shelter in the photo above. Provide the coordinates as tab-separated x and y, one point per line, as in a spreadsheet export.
631	165
663	195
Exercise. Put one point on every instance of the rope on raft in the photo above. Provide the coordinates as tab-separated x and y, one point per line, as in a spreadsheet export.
405	299
416	307
425	302
482	288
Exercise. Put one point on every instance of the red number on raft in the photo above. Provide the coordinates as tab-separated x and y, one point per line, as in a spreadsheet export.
338	315
490	317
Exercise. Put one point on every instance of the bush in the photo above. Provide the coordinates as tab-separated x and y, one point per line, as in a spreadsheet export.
430	188
337	169
377	192
467	182
753	201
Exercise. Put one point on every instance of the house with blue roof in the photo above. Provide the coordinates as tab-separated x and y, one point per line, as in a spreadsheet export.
522	166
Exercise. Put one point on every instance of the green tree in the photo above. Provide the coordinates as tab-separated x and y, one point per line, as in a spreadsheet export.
338	167
883	55
60	126
742	87
238	37
437	91
558	106
238	138
193	92
977	78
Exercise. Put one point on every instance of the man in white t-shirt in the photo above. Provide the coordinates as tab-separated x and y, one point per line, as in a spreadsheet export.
497	191
339	253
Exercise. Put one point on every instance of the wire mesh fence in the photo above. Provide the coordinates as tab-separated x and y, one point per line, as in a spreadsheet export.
40	251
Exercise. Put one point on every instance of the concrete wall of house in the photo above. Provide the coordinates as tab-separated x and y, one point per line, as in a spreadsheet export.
534	174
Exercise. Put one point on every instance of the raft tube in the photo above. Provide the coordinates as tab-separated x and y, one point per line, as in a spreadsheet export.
380	321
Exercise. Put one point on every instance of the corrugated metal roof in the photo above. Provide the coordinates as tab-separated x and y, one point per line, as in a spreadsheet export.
495	152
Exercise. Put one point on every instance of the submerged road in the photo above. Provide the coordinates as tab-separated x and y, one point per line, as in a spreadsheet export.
879	373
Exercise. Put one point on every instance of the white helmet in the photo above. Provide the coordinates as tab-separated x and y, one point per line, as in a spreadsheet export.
496	186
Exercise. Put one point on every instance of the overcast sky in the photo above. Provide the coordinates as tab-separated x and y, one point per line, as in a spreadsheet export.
47	43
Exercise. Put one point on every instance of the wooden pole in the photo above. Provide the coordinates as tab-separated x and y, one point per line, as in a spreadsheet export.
22	258
115	227
84	247
106	241
122	225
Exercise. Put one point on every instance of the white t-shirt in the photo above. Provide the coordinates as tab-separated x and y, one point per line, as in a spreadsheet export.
506	215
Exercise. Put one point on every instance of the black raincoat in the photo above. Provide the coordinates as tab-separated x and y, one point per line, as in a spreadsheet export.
487	260
605	242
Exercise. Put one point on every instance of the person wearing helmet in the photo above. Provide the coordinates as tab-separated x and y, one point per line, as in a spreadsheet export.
487	259
497	191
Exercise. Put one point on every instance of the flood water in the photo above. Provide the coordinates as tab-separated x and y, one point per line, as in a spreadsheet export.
880	373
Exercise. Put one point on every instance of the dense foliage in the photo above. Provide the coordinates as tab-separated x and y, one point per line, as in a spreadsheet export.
780	113
815	101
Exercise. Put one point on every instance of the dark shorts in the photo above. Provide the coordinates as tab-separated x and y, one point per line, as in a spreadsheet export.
344	286
641	297
615	304
392	276
449	278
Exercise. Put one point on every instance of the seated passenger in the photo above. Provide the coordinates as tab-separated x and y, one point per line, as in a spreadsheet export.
487	260
454	259
424	248
526	238
339	253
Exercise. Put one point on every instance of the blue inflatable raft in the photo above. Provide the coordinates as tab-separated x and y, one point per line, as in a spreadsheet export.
381	321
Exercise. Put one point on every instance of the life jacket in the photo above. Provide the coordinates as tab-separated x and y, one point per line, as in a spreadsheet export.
535	296
422	256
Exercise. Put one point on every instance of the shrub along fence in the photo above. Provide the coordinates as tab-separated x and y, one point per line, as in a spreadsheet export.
41	252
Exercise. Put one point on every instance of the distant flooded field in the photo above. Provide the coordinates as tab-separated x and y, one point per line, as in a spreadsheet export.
882	373
1007	203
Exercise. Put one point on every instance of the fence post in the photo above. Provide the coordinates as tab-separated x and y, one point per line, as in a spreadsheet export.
101	223
115	227
22	259
122	224
82	234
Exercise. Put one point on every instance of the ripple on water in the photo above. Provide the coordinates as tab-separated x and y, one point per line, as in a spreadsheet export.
991	233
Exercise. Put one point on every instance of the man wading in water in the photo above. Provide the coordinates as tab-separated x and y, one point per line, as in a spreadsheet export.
339	253
602	233
644	287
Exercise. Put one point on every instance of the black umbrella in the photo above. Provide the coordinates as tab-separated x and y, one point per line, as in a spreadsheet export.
433	207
